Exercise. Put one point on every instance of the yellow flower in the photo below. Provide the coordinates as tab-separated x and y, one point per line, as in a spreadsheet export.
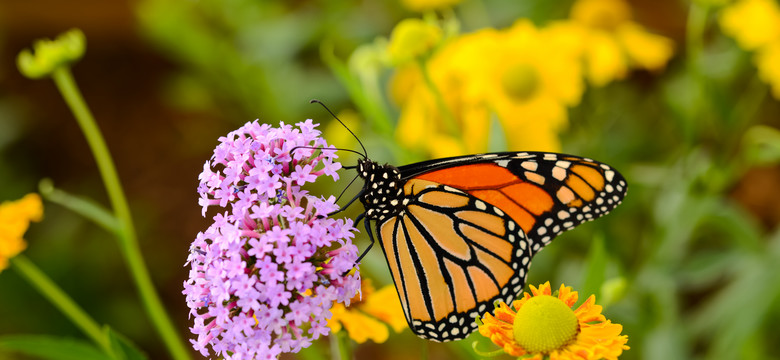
427	5
412	38
423	123
753	23
15	218
541	325
366	319
517	76
529	82
768	62
611	43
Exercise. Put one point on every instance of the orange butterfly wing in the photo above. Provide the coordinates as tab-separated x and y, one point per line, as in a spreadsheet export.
470	227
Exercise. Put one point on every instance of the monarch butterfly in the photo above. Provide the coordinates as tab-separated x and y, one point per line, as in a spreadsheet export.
459	233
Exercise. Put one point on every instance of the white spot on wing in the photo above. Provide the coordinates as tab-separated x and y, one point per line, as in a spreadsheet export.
559	173
534	177
530	165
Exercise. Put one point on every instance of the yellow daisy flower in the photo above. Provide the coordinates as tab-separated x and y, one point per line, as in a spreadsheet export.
753	23
611	43
541	326
425	124
15	218
366	319
527	83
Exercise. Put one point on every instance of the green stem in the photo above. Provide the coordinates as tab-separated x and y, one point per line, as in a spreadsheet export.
61	300
128	242
82	206
449	120
371	106
339	345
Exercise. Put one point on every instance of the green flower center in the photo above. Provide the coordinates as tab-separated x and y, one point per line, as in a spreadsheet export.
520	81
544	323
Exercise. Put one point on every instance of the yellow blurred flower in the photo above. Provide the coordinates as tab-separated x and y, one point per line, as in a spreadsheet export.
366	319
611	43
412	39
768	62
529	83
423	122
542	325
517	76
15	218
753	23
427	5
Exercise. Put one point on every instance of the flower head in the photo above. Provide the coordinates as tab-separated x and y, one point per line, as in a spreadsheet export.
542	325
51	54
753	23
366	318
266	272
610	42
15	218
526	82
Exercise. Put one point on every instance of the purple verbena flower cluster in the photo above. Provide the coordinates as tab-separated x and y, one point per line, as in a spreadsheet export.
266	272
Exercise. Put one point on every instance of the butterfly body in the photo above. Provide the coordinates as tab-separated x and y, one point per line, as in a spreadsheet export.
459	233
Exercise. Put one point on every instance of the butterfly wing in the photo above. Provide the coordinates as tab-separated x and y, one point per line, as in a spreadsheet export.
471	225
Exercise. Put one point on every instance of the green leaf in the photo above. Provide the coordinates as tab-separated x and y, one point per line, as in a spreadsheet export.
123	348
595	273
51	347
761	145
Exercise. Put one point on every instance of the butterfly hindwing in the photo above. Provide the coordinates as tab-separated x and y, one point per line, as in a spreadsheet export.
451	256
459	233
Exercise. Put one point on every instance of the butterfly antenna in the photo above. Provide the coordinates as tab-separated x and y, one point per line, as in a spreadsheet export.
365	153
323	149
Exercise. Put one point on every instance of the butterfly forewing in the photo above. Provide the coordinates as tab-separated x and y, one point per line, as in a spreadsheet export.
546	193
459	233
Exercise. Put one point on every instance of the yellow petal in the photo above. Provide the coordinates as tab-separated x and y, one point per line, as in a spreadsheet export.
361	328
385	305
646	50
753	23
768	62
601	14
604	59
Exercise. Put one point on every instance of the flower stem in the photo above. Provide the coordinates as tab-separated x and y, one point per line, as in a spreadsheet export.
339	345
128	242
61	300
448	118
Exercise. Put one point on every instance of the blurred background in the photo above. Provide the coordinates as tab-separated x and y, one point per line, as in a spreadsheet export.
691	255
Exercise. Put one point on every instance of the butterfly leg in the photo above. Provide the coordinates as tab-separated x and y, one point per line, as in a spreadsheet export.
345	207
370	236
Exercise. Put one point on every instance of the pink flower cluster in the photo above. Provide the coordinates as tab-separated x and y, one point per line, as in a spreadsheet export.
266	272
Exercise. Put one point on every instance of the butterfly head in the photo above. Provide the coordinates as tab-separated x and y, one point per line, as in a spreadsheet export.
383	192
